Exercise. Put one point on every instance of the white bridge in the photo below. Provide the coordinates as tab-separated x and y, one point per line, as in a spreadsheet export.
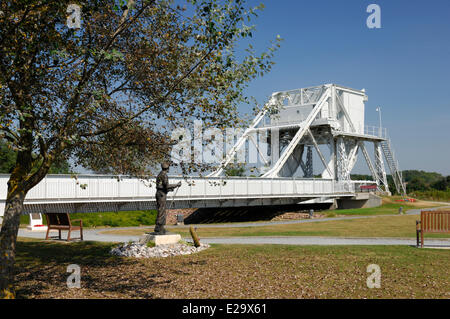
100	193
293	123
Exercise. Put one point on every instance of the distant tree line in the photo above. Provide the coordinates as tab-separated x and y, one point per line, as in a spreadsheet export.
423	181
420	184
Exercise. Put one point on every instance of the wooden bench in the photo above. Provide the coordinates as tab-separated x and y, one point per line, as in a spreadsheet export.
61	221
435	221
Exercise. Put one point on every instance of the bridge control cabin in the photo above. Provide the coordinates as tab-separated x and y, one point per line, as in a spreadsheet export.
298	104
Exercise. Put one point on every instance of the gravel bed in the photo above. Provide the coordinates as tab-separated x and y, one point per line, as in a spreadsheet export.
142	251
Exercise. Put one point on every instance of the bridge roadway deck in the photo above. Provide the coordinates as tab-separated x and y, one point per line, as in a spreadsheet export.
97	193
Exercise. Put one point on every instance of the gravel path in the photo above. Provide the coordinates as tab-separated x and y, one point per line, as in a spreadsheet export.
327	241
284	240
88	234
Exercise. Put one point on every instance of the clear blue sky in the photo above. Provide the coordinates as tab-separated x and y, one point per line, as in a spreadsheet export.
404	66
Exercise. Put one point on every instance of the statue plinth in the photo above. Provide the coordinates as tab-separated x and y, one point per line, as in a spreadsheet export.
166	239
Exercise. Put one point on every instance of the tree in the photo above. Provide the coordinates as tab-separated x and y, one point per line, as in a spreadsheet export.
442	184
8	161
417	184
109	93
7	158
235	170
426	178
361	177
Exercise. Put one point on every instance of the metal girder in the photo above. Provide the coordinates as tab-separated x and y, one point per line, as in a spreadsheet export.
309	163
293	162
369	162
259	151
322	158
303	166
393	167
379	165
344	143
343	173
298	136
378	171
353	154
345	161
331	163
274	145
243	138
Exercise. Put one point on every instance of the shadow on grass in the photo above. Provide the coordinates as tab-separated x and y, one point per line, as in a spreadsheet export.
247	214
41	271
86	252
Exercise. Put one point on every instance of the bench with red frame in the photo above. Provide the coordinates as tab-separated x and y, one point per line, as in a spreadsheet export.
434	221
61	221
368	187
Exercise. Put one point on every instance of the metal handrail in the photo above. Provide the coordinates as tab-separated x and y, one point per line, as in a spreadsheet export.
376	131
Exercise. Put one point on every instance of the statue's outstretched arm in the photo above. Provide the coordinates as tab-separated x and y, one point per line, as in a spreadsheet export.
171	187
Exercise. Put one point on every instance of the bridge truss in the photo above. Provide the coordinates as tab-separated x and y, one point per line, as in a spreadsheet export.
329	115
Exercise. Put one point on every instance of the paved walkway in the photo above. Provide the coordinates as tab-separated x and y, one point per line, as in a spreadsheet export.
96	235
327	241
88	234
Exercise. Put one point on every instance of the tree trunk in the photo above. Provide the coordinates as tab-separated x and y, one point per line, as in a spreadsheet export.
8	238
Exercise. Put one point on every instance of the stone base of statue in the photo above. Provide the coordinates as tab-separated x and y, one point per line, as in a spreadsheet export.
166	239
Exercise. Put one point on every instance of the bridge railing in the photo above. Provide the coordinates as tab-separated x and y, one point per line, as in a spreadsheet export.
375	131
64	188
357	184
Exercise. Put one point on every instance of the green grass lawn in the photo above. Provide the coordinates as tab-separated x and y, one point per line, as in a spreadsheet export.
385	209
109	219
233	271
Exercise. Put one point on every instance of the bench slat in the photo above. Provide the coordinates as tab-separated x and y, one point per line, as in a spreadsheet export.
433	222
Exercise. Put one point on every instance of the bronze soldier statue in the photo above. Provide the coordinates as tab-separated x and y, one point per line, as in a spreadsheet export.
162	188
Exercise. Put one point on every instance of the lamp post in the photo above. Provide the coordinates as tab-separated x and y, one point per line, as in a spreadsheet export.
378	109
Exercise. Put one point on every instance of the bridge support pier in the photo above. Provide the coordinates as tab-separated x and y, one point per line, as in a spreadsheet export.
361	200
